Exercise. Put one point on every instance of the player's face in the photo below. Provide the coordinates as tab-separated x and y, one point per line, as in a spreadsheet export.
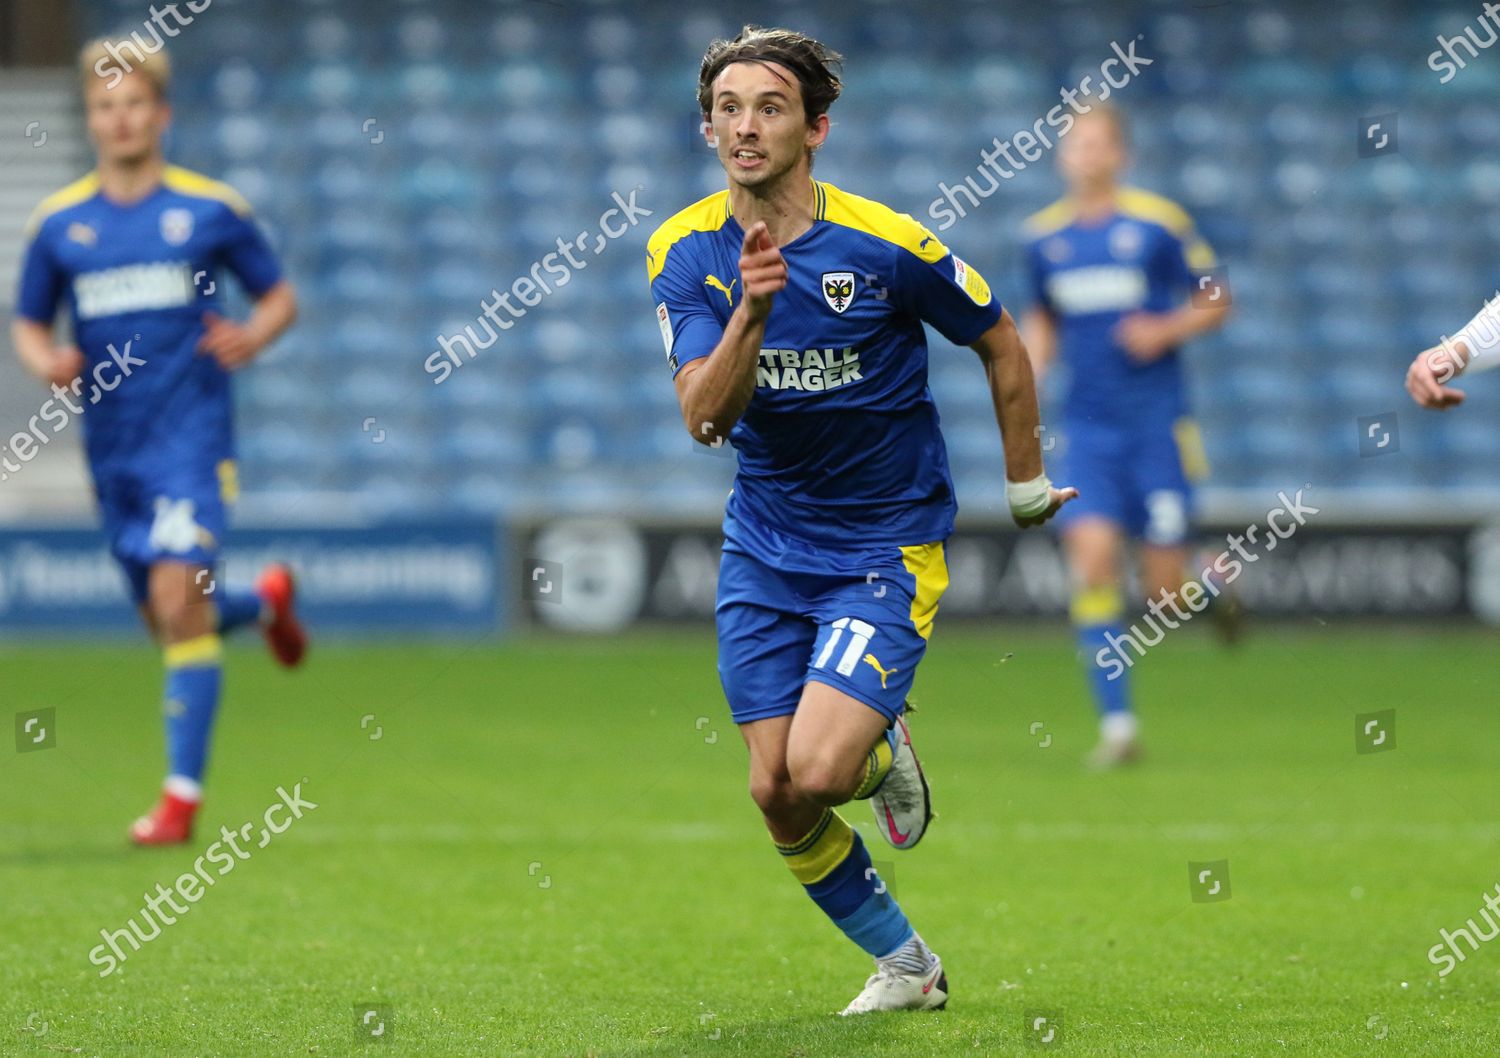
1091	154
758	125
127	121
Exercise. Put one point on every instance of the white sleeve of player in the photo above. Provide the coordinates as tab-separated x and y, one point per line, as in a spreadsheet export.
1482	338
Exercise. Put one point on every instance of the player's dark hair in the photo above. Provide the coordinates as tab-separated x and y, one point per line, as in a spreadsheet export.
811	62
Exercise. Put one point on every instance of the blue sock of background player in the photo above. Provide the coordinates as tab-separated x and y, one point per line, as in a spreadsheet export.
1098	615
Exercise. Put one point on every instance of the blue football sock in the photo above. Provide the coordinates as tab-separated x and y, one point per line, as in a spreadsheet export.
1097	621
834	868
194	677
237	606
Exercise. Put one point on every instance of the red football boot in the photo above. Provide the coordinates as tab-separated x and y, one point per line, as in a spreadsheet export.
284	635
171	823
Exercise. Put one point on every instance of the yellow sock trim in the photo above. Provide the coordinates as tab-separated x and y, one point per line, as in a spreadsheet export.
1096	606
823	849
204	650
875	769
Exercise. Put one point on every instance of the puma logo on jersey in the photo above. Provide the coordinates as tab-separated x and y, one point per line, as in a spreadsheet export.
807	369
874	664
718	284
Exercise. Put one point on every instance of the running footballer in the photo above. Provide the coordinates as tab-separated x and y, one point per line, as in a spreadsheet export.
792	313
138	250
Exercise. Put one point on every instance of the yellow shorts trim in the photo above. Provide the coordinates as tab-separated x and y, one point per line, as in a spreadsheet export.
229	481
929	564
1190	449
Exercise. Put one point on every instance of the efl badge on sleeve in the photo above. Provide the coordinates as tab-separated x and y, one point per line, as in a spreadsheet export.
664	321
972	282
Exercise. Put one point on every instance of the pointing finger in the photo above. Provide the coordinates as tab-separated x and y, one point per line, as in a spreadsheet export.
757	238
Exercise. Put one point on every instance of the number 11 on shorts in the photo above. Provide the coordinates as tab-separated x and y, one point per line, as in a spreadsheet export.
860	633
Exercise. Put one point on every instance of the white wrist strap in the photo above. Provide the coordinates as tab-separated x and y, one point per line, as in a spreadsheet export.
1028	498
1482	338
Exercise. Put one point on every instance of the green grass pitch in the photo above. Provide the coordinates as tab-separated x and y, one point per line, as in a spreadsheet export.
549	850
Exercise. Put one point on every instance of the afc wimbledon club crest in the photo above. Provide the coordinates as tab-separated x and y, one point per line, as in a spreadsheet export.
1125	240
176	226
838	290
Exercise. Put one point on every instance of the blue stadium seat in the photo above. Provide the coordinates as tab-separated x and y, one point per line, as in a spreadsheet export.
403	191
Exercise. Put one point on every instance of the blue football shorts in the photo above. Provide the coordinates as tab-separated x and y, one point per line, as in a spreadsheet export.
167	513
1140	479
790	612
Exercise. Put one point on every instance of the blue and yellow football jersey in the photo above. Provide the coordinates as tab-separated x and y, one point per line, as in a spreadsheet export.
144	274
840	444
1143	257
138	279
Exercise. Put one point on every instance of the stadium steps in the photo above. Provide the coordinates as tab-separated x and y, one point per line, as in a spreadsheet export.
36	160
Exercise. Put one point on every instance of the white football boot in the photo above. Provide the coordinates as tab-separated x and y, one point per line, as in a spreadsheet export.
1119	742
892	990
902	802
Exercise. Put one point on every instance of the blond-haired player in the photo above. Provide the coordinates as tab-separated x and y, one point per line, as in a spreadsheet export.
139	251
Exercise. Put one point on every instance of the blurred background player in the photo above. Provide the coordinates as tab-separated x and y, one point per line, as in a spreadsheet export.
792	315
1474	348
1112	268
136	249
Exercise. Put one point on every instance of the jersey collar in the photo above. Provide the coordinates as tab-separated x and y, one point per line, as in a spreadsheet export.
820	203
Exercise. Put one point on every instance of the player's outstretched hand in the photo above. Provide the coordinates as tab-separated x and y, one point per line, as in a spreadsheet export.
762	270
1425	378
228	342
1056	498
67	365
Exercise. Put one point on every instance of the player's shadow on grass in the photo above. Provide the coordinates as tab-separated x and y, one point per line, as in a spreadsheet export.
979	1029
